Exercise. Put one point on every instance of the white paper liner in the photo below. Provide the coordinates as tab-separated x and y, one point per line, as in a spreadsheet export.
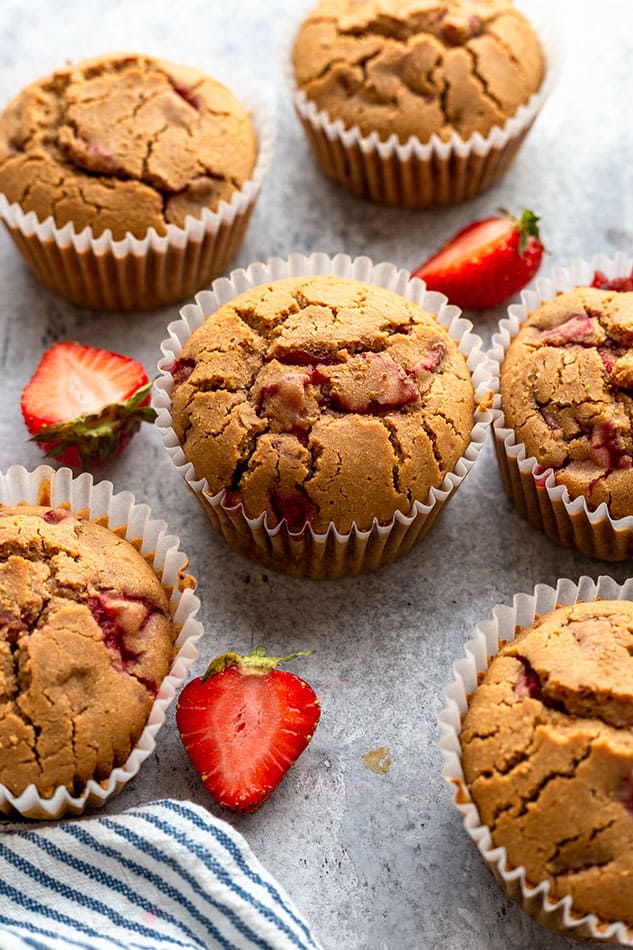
556	915
419	174
545	504
121	509
145	273
324	554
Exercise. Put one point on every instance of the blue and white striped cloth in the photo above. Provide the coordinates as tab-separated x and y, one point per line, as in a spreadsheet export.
164	876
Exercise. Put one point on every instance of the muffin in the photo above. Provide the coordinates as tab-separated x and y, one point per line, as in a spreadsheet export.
318	406
88	638
127	148
416	105
565	371
550	721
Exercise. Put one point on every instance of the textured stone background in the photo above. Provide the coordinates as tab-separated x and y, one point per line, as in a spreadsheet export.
376	861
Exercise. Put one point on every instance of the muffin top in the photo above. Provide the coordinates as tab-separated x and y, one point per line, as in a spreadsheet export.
124	142
548	754
86	637
322	399
566	389
418	68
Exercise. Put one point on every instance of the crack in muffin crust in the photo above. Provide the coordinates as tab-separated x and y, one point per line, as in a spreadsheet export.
322	399
547	745
85	639
125	143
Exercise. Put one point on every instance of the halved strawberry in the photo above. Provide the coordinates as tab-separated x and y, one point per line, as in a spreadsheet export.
83	404
487	262
244	723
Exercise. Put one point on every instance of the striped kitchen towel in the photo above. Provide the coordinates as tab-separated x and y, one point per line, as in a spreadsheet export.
163	876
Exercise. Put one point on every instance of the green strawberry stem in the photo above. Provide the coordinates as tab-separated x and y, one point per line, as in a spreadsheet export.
257	661
526	227
97	435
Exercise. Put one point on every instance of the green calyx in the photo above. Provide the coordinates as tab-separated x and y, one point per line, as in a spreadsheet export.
526	227
98	435
257	661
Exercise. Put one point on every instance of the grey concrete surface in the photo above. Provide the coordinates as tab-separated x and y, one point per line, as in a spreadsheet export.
375	861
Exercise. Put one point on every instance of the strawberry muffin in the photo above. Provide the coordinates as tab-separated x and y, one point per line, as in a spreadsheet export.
393	97
321	404
129	146
547	755
565	387
86	637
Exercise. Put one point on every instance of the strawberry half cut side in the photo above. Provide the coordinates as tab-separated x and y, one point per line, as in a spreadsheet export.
84	404
244	724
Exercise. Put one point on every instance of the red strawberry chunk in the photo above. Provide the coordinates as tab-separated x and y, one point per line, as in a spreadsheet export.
528	684
620	284
295	508
182	369
605	449
57	515
627	794
431	362
580	329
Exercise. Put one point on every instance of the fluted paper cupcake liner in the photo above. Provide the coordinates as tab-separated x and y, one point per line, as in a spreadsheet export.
418	174
143	273
537	497
121	512
534	897
330	554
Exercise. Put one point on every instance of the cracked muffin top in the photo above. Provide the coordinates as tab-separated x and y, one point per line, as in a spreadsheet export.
418	68
124	142
566	388
86	638
548	754
322	399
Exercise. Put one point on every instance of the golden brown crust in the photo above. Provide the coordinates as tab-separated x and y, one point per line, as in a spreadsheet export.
548	755
124	142
418	69
321	399
86	638
566	389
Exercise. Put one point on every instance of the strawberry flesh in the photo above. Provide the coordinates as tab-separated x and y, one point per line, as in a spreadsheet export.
83	404
605	449
620	284
57	515
113	635
244	729
579	329
294	508
182	369
528	684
